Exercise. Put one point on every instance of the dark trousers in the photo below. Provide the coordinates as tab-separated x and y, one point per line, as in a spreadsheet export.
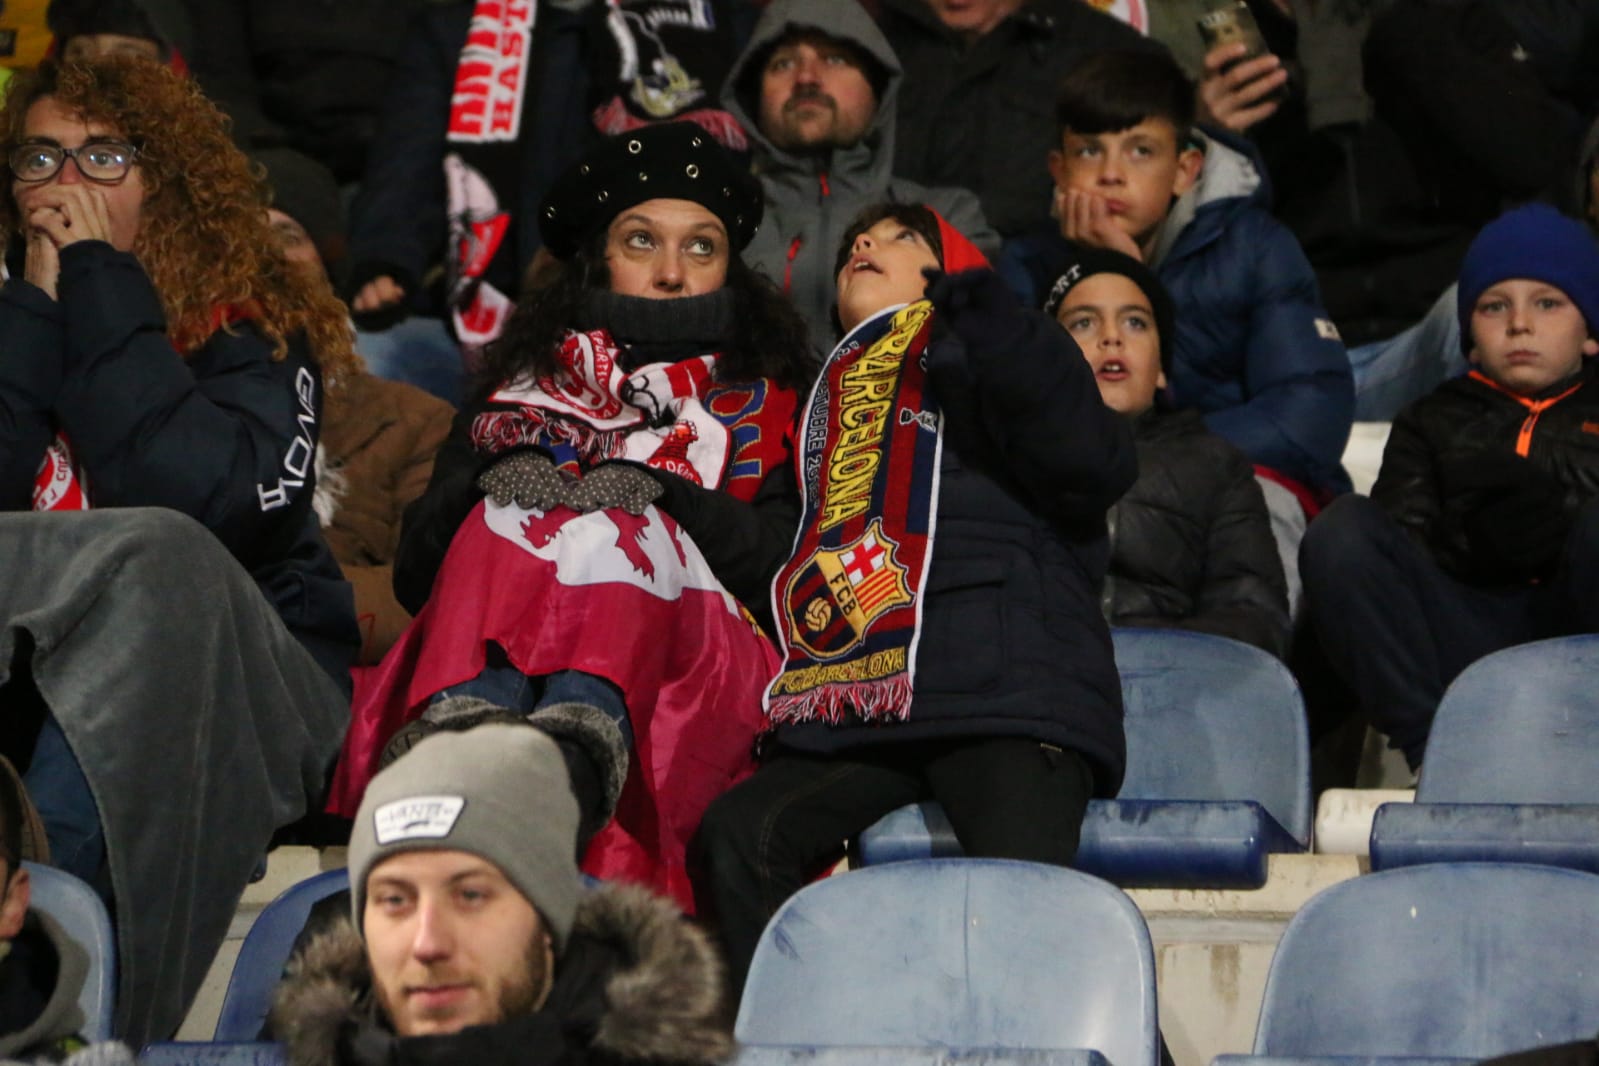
1399	629
764	840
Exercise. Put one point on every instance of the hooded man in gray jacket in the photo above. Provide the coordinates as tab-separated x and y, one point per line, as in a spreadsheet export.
816	89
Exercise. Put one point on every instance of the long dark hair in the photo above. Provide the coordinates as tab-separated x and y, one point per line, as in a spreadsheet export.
769	339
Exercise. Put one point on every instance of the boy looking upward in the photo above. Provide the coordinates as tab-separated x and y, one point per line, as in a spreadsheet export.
939	610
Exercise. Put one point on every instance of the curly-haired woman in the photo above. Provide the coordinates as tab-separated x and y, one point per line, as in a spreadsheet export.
646	392
168	609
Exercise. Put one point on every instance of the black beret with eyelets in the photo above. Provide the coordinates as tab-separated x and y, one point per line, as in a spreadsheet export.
669	161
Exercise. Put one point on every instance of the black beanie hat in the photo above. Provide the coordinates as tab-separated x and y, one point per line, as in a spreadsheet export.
1082	262
669	161
165	22
307	192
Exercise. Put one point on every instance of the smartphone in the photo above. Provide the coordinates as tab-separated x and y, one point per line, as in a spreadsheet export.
1228	22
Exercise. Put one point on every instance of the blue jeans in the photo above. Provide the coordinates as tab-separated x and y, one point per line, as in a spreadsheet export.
59	789
418	351
505	686
1392	374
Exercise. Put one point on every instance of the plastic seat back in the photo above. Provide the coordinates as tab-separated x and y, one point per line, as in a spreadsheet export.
1518	726
1218	772
265	952
1449	960
956	953
1213	719
247	1053
81	914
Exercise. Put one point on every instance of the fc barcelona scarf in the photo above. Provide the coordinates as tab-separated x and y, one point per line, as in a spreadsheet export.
848	602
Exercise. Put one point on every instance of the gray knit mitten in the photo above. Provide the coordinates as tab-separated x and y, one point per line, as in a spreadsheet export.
528	478
614	485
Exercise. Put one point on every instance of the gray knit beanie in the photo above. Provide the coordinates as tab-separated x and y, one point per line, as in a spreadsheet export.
500	792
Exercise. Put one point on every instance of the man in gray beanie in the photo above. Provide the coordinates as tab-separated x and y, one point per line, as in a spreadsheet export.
472	939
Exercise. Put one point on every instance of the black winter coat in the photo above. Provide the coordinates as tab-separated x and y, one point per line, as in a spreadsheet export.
1013	642
302	74
982	116
1191	545
1468	423
397	222
225	436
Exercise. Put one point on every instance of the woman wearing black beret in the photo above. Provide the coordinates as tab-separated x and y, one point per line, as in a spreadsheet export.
584	557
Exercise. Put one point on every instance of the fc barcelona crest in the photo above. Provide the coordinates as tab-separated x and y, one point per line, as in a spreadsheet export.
835	597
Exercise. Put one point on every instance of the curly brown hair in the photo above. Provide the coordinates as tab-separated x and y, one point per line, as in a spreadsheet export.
203	233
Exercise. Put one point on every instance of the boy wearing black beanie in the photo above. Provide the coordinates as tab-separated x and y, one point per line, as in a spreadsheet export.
1191	543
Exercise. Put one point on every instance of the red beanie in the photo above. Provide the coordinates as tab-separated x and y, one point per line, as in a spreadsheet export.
959	253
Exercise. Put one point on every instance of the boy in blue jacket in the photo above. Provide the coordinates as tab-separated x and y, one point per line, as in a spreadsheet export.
1254	351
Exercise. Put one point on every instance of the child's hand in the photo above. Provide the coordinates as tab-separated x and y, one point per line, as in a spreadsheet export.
1233	94
1520	532
1086	219
976	304
1517	522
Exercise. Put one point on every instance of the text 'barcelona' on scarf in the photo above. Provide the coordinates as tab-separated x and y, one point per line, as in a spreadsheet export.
848	602
674	417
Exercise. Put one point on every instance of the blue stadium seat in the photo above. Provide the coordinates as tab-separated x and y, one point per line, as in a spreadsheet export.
953	960
1438	963
1218	772
913	1056
1509	772
263	955
238	1053
81	914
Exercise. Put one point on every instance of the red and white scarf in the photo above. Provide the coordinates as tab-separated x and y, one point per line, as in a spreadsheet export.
592	410
480	167
61	484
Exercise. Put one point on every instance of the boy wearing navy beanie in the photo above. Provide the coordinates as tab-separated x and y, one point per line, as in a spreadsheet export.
1482	530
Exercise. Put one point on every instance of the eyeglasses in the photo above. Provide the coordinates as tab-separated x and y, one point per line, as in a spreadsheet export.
106	162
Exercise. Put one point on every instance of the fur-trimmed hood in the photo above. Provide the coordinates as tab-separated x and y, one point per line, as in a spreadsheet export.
662	988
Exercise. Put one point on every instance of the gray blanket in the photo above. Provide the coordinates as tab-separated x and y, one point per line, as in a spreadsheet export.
200	723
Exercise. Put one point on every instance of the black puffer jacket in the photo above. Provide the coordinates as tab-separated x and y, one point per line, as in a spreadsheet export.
1191	544
1467	423
306	74
981	115
397	222
225	436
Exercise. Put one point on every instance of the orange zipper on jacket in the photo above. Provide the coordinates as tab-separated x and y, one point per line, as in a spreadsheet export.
1534	409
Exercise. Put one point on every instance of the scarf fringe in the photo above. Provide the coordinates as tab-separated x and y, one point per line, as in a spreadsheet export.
888	700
